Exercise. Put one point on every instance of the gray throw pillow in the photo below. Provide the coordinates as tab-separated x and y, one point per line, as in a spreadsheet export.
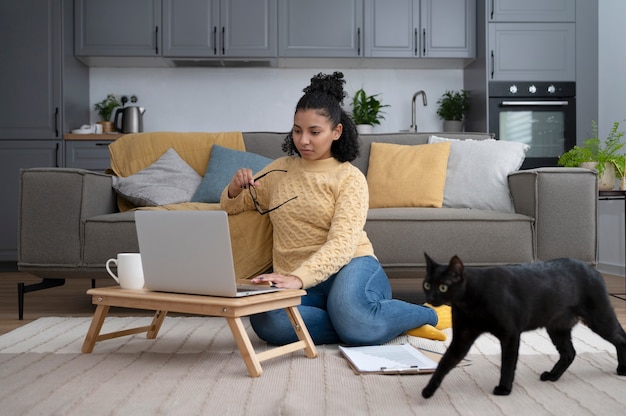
169	180
477	173
223	163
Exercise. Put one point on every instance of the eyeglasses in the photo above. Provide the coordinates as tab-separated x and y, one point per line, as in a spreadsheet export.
253	194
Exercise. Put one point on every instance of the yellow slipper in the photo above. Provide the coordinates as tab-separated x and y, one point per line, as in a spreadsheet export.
427	331
444	313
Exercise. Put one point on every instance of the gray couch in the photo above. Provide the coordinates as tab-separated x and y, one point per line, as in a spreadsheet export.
70	223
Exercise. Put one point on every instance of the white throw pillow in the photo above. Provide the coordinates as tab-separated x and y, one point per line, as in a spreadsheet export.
169	180
477	173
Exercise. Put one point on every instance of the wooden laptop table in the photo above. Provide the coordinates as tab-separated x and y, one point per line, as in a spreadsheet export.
230	308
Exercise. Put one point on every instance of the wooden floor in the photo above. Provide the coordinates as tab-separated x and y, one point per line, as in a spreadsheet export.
71	300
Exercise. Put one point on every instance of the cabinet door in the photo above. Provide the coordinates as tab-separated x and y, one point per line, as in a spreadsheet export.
31	70
190	28
117	28
248	28
88	154
392	28
448	28
321	28
532	11
15	155
532	52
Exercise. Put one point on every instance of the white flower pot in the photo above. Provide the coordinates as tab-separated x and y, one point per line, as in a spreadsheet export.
606	182
365	128
452	126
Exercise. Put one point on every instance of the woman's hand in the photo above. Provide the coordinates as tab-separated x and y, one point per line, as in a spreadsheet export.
241	180
279	280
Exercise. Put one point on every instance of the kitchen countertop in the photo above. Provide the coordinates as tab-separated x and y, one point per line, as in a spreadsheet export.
105	136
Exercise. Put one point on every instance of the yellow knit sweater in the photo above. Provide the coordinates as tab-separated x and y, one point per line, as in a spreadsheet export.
322	229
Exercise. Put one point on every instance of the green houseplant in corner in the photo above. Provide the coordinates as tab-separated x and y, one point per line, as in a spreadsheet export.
452	108
607	159
105	110
366	111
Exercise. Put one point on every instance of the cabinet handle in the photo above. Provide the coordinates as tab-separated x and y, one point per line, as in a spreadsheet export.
492	7
223	41
358	42
156	40
214	40
56	155
424	44
101	144
415	43
56	122
492	64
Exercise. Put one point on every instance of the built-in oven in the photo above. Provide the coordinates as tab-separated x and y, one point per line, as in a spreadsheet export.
540	114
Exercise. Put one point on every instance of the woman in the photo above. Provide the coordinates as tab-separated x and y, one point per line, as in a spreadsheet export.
318	202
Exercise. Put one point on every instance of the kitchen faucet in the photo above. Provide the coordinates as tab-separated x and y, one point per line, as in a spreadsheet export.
413	128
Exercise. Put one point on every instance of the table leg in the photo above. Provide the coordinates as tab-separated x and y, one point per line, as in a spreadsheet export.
95	327
155	326
245	346
301	331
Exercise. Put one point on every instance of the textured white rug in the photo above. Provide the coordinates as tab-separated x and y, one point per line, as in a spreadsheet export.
194	368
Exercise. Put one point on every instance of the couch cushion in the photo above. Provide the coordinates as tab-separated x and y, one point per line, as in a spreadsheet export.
400	236
223	164
169	180
477	173
407	176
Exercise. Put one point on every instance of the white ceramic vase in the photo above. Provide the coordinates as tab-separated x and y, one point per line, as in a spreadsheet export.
606	182
452	126
365	128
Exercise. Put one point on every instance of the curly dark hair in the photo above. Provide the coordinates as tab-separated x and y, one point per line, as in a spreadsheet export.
325	94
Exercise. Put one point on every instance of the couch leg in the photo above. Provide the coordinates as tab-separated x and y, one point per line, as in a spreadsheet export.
22	289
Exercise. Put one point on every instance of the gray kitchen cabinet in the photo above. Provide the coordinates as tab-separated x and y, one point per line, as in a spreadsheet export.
88	154
220	28
117	28
420	29
532	11
321	28
16	155
532	51
45	93
448	28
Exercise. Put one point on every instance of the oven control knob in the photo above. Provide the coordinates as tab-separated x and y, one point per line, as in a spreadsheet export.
551	89
513	89
532	89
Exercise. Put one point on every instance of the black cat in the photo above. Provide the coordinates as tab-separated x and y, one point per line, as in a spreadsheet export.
508	300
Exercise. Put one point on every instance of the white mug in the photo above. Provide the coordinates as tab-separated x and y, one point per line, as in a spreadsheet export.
129	270
97	128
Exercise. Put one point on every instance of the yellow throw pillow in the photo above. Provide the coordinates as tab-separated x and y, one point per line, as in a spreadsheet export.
407	176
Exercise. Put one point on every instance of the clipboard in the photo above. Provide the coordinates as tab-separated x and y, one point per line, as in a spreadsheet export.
392	359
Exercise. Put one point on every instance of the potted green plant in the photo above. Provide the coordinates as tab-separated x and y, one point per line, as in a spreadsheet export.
105	110
366	111
607	159
452	108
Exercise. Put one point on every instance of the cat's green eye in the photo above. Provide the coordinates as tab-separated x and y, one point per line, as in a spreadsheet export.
443	288
426	286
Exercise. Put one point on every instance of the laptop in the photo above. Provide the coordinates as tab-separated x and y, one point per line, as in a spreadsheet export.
189	252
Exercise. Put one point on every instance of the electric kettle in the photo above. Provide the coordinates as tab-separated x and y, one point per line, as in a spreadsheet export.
131	120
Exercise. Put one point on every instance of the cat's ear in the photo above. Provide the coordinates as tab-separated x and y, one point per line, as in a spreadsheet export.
456	265
430	264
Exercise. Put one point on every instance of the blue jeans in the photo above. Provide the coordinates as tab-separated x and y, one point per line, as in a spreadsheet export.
353	306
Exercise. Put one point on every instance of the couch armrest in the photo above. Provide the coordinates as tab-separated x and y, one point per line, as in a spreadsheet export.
54	202
564	204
